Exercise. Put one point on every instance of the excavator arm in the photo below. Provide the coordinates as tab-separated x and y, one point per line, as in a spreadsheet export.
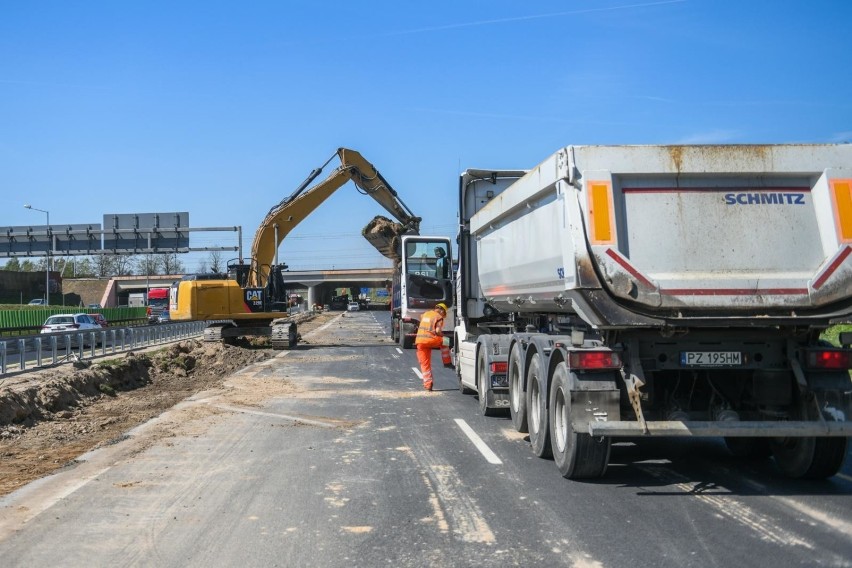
292	210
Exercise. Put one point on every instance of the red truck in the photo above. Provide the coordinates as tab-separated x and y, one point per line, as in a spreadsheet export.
158	302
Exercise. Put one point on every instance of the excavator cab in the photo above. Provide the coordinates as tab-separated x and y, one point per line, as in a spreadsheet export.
273	296
239	271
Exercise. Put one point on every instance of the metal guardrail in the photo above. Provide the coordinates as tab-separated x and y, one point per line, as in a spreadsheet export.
21	353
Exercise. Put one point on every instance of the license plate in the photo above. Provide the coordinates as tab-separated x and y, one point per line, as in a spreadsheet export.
711	358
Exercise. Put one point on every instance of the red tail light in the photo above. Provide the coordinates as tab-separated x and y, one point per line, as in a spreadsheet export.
499	367
828	359
592	360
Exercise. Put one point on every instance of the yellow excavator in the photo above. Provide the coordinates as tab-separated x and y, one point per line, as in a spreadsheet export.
251	299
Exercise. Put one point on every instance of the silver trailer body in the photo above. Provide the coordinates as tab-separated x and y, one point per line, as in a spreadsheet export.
698	278
671	231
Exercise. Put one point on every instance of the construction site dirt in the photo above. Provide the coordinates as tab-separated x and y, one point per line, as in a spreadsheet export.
50	416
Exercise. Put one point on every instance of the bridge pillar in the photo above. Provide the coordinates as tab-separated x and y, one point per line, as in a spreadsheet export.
312	296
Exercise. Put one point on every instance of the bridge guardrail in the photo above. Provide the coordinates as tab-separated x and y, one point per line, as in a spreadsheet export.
16	354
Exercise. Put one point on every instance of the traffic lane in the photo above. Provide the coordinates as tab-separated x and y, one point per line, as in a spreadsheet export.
736	508
682	502
526	500
414	501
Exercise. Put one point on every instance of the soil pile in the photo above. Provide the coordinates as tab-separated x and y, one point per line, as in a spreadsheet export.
50	416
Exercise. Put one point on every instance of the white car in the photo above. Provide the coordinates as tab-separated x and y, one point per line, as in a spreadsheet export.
70	322
353	307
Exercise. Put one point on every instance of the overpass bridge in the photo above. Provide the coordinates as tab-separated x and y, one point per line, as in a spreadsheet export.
320	284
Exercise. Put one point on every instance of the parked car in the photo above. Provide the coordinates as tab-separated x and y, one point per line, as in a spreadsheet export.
36	302
353	307
99	319
164	317
94	306
70	322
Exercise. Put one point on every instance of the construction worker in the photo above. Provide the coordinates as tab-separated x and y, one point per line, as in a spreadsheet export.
430	336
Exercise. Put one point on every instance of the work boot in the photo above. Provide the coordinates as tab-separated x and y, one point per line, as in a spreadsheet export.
449	366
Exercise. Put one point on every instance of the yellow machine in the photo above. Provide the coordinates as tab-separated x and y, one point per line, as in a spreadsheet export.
251	298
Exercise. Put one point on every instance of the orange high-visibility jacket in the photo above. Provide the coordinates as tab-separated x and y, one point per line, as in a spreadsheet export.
430	332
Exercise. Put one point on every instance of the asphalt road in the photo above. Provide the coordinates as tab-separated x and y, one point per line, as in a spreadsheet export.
358	466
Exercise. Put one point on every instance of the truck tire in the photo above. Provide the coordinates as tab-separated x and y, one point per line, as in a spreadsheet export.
537	409
481	378
517	394
808	458
578	456
405	342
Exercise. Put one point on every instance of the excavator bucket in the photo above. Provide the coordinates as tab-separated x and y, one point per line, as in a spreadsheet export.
384	234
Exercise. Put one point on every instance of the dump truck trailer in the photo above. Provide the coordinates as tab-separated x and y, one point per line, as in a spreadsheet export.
622	291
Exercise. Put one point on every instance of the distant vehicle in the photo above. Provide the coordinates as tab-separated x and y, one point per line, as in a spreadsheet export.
69	322
353	307
137	300
36	302
164	317
94	306
158	302
99	319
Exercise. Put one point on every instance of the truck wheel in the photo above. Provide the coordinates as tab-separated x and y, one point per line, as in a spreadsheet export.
481	378
809	458
537	409
517	395
576	455
405	342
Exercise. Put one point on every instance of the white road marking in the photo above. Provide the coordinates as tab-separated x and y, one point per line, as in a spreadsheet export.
398	350
844	476
417	372
483	448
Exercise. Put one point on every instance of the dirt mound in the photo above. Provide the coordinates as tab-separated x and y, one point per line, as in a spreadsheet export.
50	416
56	392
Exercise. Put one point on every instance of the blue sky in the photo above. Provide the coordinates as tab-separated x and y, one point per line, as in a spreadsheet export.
222	108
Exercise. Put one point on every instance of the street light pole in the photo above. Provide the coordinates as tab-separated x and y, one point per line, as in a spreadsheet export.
47	258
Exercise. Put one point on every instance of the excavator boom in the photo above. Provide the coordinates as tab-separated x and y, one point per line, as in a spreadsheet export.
295	208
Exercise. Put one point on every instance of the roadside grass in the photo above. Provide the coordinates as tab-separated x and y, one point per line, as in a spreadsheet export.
832	334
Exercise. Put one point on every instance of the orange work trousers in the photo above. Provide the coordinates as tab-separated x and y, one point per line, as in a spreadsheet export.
424	357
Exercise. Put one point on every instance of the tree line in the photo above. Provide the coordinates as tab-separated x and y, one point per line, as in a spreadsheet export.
108	265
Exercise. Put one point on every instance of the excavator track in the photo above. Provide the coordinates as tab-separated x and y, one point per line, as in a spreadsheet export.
285	334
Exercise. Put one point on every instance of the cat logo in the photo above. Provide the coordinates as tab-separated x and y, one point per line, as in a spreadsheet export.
254	296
